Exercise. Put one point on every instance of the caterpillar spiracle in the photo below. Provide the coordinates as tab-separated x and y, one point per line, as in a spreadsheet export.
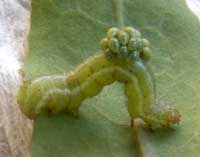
124	58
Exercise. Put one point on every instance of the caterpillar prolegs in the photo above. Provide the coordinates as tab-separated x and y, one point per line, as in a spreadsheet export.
124	58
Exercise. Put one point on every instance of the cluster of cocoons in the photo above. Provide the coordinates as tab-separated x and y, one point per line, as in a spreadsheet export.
126	42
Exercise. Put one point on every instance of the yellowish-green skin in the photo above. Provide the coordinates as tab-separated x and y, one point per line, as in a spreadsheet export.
123	58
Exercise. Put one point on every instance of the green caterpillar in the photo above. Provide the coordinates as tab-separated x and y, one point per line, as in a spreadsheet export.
124	58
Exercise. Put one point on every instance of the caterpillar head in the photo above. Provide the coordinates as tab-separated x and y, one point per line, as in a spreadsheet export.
163	115
126	42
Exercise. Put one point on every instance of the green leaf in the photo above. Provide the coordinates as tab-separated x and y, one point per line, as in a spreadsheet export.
65	32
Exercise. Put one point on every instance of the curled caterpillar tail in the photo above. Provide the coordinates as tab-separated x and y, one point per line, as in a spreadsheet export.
124	58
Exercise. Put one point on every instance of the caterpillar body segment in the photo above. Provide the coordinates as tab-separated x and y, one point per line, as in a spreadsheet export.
21	97
132	91
124	58
56	100
91	87
53	101
37	89
91	66
145	82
